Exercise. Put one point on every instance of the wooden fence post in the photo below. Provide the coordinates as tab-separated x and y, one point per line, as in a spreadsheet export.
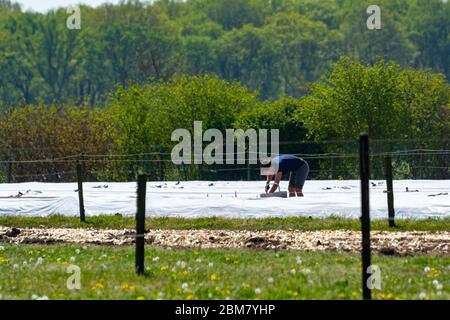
80	191
161	167
9	174
365	212
389	190
140	223
83	165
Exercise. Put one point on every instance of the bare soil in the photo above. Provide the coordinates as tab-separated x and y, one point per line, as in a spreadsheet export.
382	242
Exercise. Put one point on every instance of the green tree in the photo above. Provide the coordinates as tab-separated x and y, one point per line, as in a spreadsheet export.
428	23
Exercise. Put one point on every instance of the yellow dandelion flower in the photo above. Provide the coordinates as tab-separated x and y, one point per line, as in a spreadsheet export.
98	285
190	297
140	298
214	277
163	268
292	293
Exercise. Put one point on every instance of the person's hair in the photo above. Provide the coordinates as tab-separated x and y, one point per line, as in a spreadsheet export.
266	163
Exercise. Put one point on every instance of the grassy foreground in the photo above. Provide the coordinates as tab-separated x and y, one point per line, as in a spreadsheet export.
32	271
295	223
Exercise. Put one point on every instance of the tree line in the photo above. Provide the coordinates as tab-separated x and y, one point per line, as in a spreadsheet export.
273	47
401	108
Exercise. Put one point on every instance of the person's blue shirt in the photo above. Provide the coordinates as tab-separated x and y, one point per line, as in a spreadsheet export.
287	163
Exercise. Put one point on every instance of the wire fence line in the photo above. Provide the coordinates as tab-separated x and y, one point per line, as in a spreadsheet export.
418	163
329	159
107	157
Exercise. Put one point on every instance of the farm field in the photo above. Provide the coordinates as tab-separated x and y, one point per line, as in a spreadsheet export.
214	223
414	199
40	272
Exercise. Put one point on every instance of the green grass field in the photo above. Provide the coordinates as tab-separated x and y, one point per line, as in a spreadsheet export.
31	271
297	223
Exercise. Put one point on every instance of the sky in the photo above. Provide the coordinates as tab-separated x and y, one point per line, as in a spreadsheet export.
45	5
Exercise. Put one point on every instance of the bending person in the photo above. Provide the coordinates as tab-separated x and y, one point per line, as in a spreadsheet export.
297	168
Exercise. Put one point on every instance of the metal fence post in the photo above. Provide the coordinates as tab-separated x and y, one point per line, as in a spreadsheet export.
140	222
80	191
389	190
365	212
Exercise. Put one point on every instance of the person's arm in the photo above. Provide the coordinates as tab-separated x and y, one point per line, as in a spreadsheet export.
277	182
269	178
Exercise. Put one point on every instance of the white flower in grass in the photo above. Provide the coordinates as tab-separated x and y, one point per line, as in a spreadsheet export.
210	264
426	269
16	266
39	261
257	291
72	259
181	264
199	260
293	271
42	298
85	247
34	296
185	286
77	251
270	280
306	271
299	261
2	248
439	287
155	259
422	295
439	293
